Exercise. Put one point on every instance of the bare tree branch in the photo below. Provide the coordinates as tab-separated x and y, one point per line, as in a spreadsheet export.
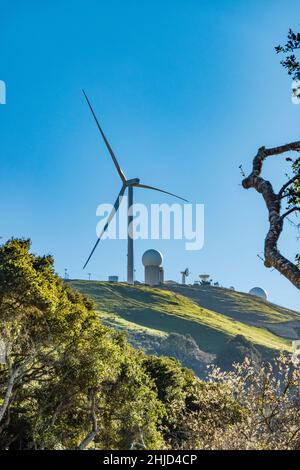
8	393
294	146
290	211
273	257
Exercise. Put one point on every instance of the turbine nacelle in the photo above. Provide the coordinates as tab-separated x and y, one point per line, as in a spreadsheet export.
132	182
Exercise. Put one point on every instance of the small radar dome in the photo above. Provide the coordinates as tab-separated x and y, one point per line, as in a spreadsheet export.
259	292
152	258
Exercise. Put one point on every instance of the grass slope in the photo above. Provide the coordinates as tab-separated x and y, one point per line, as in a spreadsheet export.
160	311
237	305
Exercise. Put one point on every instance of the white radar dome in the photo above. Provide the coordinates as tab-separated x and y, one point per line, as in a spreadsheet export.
259	292
152	258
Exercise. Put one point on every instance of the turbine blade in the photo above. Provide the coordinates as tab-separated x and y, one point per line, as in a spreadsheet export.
161	190
109	219
122	176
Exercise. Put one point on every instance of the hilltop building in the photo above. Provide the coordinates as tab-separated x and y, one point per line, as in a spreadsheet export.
259	292
205	279
154	272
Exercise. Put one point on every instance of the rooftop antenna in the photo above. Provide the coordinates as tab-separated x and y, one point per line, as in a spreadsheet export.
184	275
126	184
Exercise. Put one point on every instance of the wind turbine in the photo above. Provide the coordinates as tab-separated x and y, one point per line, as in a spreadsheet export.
126	184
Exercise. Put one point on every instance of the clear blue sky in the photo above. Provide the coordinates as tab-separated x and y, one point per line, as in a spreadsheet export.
186	90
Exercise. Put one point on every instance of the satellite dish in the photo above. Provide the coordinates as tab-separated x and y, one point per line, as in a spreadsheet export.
205	279
185	274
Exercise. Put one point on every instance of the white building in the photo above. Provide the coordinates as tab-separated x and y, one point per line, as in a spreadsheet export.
154	273
259	292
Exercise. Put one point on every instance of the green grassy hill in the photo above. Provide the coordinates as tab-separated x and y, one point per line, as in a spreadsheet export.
237	305
210	315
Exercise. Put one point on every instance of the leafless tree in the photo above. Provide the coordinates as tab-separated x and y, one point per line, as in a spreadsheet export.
277	216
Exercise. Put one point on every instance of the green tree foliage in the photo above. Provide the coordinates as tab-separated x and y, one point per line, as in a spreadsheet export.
196	410
175	387
67	381
291	62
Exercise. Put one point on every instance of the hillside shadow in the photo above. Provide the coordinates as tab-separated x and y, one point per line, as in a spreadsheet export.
209	340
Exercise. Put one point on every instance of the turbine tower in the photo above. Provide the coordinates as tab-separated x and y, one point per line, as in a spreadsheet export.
130	184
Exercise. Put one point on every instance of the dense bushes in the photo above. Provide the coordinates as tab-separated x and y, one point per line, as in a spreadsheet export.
236	350
181	347
267	403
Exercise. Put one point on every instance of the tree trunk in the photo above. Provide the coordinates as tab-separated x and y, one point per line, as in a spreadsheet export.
10	385
273	257
91	436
